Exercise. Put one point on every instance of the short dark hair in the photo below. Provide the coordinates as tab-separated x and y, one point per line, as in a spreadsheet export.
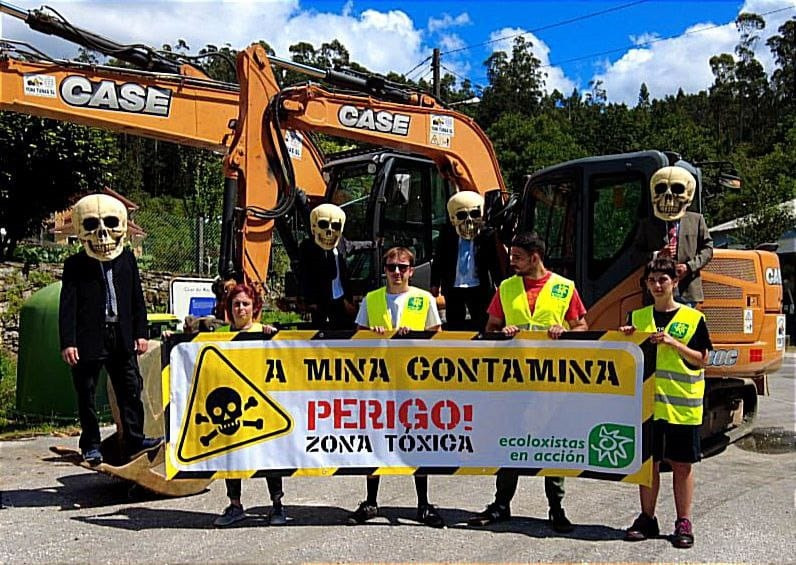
529	242
397	252
665	265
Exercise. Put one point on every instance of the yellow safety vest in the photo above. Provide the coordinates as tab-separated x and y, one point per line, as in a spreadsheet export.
413	315
551	307
678	388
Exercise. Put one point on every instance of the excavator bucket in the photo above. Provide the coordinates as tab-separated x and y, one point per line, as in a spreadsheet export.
148	469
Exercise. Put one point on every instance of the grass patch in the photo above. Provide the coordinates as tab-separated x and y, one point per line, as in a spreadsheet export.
16	426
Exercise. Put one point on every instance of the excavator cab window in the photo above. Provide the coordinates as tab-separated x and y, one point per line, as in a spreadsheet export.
351	193
614	206
551	212
414	212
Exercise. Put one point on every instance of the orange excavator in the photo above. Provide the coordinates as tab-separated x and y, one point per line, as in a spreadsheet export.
586	210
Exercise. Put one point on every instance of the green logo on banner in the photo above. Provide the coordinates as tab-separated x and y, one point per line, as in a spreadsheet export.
612	445
560	291
415	303
678	330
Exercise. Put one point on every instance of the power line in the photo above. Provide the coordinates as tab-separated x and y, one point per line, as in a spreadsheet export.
457	75
418	65
651	41
549	26
636	45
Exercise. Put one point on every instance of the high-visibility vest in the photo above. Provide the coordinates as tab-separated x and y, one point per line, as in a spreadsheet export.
678	388
256	327
551	306
413	315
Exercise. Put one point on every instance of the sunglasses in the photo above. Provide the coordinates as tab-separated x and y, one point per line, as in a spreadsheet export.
324	225
390	267
462	215
660	280
90	224
662	187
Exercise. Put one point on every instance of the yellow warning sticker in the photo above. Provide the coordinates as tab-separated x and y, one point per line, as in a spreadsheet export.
226	411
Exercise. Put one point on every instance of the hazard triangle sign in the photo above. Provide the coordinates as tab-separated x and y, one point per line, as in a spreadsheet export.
226	411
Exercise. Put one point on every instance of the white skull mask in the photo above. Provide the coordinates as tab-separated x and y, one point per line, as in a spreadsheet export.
466	211
327	222
101	224
672	190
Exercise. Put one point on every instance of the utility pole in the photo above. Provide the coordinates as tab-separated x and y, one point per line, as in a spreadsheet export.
435	69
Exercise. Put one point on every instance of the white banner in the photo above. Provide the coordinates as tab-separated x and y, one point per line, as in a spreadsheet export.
288	404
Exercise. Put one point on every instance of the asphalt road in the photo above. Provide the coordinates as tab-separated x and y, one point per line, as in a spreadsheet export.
56	512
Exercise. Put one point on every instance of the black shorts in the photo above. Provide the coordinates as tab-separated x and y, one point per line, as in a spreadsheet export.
675	442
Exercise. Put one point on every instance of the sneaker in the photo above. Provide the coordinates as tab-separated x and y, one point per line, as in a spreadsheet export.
559	522
92	456
493	513
147	444
231	514
643	528
362	514
683	536
277	516
428	515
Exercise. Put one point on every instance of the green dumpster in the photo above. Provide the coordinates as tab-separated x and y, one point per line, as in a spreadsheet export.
44	381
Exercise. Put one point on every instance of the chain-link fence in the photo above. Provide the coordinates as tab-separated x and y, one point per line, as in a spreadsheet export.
190	246
178	244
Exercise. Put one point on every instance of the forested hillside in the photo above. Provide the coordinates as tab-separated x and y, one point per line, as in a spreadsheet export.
745	118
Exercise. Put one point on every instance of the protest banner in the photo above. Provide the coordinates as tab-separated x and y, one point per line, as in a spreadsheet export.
243	404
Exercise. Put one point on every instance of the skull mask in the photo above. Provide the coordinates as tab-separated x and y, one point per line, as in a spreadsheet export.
225	410
672	190
466	211
101	224
327	221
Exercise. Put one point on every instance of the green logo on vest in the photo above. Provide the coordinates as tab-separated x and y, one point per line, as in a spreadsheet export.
678	330
612	445
415	303
560	291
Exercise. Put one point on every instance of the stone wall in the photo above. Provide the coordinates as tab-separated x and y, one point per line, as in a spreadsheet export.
17	284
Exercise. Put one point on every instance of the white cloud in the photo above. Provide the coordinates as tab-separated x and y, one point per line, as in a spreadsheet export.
644	38
382	41
446	21
556	79
667	65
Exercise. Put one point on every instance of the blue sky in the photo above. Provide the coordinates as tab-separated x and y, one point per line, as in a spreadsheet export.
397	35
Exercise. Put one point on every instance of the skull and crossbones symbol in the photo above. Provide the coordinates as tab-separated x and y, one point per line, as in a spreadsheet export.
225	409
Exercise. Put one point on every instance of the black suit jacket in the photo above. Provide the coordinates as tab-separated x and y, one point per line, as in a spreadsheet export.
318	271
81	318
488	265
694	248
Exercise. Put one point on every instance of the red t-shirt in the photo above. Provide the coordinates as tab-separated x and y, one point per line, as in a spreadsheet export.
575	311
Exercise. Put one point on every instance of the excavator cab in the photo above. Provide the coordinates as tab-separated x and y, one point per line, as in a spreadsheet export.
390	199
587	211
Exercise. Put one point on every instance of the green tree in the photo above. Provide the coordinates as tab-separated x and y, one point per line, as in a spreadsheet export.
44	165
516	83
783	79
525	144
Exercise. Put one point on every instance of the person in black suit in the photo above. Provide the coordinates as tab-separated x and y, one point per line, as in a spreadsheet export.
323	276
102	321
466	267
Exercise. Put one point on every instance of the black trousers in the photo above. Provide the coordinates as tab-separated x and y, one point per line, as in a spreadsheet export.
122	367
274	488
332	316
458	301
506	487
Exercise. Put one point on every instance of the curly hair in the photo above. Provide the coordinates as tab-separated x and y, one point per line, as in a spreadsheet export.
257	300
